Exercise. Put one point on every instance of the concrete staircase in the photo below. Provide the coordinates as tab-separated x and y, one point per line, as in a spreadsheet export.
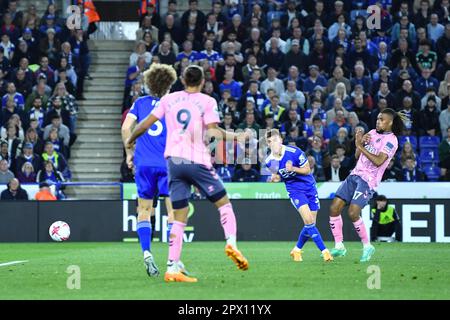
97	153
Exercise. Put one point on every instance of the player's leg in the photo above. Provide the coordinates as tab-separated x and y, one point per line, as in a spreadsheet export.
163	186
228	221
179	195
361	198
146	190
207	180
343	196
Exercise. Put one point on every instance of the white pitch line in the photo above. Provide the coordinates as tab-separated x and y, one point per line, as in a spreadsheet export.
11	263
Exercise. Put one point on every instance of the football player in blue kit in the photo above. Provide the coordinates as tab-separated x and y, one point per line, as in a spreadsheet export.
148	158
290	164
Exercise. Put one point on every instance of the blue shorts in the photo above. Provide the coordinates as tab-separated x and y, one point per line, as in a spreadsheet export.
183	174
299	199
354	190
151	182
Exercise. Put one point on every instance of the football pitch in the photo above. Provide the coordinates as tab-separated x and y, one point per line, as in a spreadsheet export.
116	271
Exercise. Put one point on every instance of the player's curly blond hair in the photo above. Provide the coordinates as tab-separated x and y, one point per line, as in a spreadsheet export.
159	78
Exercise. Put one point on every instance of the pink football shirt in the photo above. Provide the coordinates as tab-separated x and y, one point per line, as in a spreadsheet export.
187	116
384	142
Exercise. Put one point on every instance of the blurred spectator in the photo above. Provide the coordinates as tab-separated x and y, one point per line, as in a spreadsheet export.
321	156
7	46
385	220
272	82
317	172
315	110
340	92
411	173
58	162
338	122
426	81
230	84
295	139
13	121
39	91
44	194
14	191
444	120
444	156
407	152
13	94
392	173
50	46
37	112
341	138
23	85
5	174
63	130
140	51
434	29
317	128
246	173
292	93
407	91
426	59
314	79
58	143
28	156
335	173
33	137
429	119
279	113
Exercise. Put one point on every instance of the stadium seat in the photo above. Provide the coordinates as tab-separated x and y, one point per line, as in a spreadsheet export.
264	178
429	142
433	173
411	139
429	155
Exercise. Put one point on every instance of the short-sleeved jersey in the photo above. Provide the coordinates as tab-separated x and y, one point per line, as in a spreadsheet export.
150	146
187	116
294	182
379	142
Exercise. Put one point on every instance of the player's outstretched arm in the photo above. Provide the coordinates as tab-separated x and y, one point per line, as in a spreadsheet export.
215	131
143	126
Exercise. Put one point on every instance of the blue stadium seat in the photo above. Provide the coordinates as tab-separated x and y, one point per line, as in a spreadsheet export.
429	142
433	173
411	139
429	155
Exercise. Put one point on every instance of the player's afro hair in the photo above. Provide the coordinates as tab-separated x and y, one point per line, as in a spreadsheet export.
159	78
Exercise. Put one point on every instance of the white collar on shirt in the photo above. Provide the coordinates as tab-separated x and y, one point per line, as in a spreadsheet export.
283	150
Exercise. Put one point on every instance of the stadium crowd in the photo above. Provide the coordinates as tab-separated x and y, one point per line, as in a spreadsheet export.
43	65
316	71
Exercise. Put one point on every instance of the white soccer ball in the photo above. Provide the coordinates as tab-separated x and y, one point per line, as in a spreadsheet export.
59	231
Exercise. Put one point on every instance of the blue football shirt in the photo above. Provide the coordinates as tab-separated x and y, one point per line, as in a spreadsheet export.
294	182
151	145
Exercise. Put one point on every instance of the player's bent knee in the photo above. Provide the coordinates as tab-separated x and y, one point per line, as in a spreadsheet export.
219	199
336	207
180	204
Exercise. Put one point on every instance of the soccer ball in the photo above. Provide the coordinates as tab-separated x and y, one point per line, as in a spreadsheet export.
59	231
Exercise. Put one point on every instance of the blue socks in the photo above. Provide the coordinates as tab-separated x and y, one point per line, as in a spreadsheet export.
302	238
169	227
315	235
144	231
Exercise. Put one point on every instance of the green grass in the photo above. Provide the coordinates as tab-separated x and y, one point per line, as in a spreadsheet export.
115	271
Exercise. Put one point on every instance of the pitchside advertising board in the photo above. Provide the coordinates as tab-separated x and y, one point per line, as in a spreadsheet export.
424	220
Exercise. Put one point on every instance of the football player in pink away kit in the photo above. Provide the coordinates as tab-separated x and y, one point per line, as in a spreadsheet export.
374	150
189	115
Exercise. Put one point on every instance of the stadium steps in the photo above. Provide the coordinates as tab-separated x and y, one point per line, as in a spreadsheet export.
93	193
98	152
